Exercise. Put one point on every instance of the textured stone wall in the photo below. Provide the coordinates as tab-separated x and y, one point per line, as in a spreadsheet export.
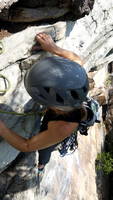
6	3
73	177
36	10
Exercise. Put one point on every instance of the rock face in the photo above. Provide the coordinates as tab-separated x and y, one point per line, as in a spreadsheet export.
82	7
26	41
31	11
6	4
72	177
19	14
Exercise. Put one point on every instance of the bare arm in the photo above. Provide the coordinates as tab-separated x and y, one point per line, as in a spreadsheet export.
49	45
56	132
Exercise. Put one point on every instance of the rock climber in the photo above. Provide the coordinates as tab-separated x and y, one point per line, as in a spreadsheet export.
60	84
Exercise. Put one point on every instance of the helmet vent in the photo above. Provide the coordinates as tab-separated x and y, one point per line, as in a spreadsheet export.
74	94
59	98
47	89
42	97
84	89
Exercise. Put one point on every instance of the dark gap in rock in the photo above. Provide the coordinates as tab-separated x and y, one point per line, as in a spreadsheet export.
93	69
110	52
77	10
13	27
14	163
104	111
110	67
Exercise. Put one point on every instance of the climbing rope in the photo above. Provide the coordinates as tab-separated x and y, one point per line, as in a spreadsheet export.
21	114
16	113
8	85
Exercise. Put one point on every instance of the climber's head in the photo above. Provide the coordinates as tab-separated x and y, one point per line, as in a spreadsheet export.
57	82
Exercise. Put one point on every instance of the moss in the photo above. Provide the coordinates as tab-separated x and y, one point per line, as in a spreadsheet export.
105	162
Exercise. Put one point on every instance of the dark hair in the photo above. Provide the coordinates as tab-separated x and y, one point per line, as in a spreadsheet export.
78	114
81	113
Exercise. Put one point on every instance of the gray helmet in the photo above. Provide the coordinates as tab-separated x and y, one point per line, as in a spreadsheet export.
58	82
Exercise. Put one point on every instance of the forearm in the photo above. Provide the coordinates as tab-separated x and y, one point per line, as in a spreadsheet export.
44	140
14	139
38	142
67	54
56	132
49	45
23	144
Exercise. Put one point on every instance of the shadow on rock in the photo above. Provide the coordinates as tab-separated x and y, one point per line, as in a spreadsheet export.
20	175
24	125
18	170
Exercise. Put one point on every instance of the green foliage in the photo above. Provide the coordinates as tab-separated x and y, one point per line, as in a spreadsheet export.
104	162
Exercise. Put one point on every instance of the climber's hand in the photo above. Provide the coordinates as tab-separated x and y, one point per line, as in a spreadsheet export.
46	42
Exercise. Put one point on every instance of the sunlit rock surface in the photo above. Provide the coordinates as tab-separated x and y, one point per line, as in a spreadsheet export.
6	3
72	177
